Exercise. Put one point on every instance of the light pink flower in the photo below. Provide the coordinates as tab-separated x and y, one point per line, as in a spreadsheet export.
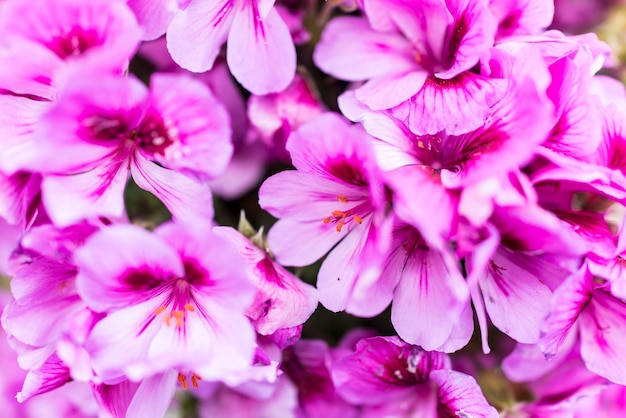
105	128
260	52
174	299
334	197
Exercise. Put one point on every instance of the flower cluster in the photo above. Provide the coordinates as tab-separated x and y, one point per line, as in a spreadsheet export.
474	176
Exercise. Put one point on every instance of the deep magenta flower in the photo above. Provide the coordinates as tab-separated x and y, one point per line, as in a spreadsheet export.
391	378
174	299
171	138
260	51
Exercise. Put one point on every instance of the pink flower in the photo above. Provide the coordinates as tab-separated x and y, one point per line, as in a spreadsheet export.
330	200
432	174
45	301
175	301
275	116
307	364
583	305
415	59
260	52
102	31
391	378
105	128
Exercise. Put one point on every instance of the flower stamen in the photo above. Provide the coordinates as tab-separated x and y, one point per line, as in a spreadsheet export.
182	379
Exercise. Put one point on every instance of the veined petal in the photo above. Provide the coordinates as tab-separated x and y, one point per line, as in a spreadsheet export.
196	34
456	106
389	91
52	375
329	146
91	123
602	334
183	196
260	52
429	298
516	295
97	192
460	395
385	369
282	300
567	304
421	200
339	276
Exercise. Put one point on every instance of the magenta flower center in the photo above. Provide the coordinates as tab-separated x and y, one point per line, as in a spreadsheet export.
76	42
153	134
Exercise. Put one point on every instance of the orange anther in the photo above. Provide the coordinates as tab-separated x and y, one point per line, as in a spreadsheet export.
194	380
168	320
340	225
160	310
189	307
342	199
182	379
358	219
327	219
178	316
338	214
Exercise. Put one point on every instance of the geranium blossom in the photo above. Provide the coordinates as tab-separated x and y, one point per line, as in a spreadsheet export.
109	127
174	299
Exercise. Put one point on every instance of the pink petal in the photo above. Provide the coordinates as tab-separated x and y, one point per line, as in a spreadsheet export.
196	34
421	200
387	92
522	17
287	241
183	196
201	124
282	300
260	53
429	299
70	130
459	395
339	277
602	334
153	397
516	296
153	16
98	192
456	106
306	197
351	50
568	302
